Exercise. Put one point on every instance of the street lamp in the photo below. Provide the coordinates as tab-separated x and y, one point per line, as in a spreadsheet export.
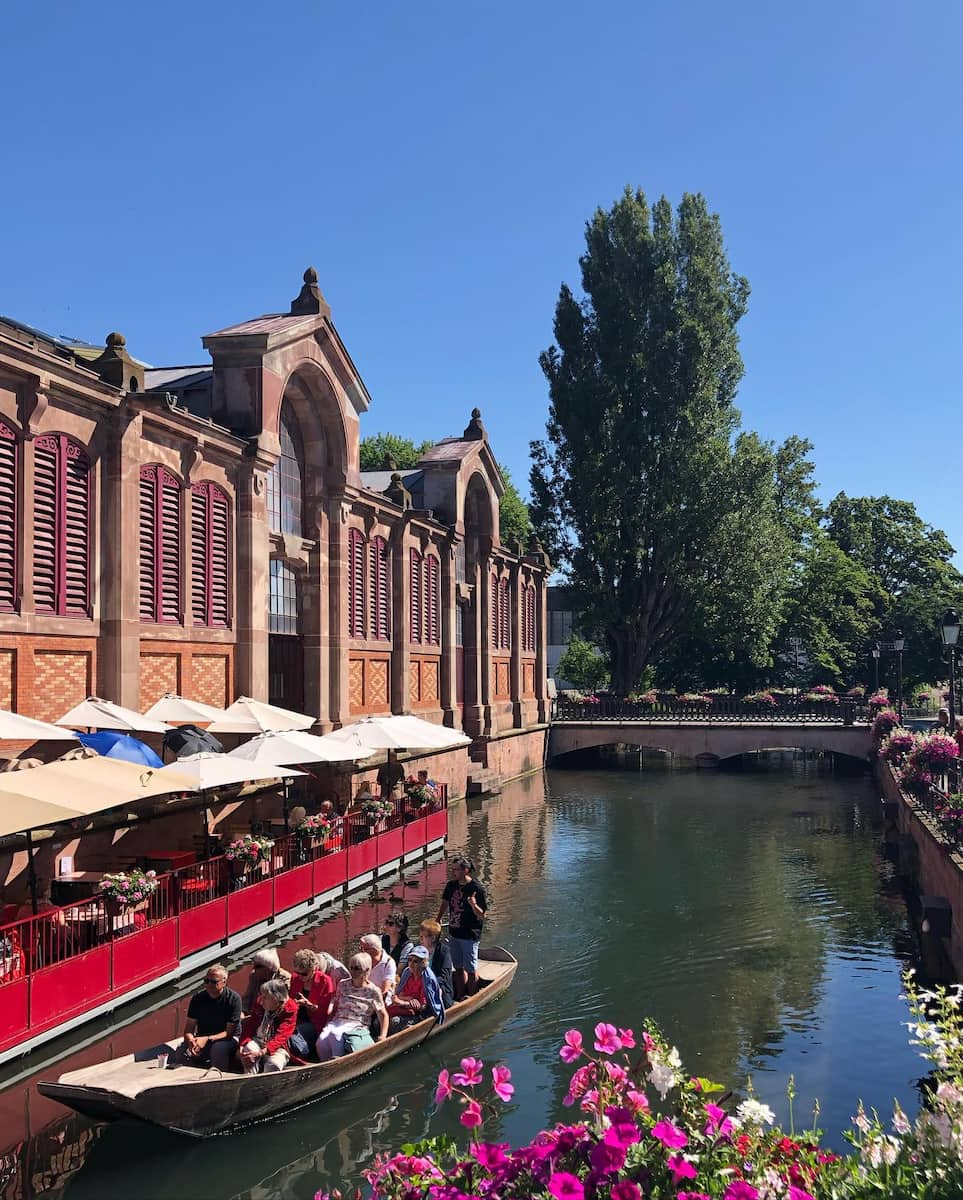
951	635
898	643
875	654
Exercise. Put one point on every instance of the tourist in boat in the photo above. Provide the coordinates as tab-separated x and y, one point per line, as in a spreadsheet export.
313	989
213	1018
357	1003
466	903
429	935
384	973
266	1034
418	994
395	940
333	967
265	965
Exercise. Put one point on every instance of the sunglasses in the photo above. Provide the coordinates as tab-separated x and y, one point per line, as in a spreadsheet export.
214	981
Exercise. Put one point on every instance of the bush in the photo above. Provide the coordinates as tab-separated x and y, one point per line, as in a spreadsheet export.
582	665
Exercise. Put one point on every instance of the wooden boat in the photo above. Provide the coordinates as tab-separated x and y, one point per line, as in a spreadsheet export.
201	1101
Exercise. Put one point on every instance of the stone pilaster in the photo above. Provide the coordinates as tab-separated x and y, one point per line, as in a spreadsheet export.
515	598
400	685
335	637
253	556
448	681
541	646
116	566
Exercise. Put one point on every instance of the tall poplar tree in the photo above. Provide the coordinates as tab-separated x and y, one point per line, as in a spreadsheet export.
640	491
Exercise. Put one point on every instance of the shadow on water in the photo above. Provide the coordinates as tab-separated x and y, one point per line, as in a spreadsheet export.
749	912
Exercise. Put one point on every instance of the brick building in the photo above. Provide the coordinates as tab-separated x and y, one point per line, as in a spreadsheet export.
206	530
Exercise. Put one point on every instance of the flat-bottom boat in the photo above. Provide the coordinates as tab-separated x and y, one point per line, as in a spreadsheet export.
201	1101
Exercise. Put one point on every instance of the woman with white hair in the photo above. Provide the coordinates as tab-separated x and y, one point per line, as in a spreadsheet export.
357	1002
383	969
265	965
267	1032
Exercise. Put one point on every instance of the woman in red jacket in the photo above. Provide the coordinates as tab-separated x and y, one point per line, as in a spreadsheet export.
267	1031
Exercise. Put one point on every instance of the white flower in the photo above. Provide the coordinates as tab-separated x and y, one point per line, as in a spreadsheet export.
662	1078
754	1113
771	1185
900	1120
946	1093
861	1121
881	1150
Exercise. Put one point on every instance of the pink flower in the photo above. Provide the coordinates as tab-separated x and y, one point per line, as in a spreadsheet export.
490	1155
622	1131
572	1048
470	1073
647	1042
616	1073
501	1085
626	1190
471	1115
607	1040
693	1196
443	1090
669	1135
564	1186
606	1159
797	1193
680	1168
636	1101
627	1038
740	1190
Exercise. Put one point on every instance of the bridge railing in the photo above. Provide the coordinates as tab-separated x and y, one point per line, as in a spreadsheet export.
721	709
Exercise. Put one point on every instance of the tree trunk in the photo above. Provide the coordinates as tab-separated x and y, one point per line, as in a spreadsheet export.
629	656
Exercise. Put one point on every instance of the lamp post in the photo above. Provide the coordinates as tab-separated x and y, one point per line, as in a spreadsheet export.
898	643
951	635
875	654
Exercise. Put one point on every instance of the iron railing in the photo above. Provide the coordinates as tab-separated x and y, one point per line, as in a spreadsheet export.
721	709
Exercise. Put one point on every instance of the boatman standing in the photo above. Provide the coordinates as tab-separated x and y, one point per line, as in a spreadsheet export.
466	902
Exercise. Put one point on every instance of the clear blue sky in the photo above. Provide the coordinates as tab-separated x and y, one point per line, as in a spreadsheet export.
172	168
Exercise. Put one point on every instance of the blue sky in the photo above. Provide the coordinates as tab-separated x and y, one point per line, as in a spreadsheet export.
170	169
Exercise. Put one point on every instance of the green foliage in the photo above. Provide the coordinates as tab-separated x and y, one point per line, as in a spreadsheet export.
582	666
381	446
514	523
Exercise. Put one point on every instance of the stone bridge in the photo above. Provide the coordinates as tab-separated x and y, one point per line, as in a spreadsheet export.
708	741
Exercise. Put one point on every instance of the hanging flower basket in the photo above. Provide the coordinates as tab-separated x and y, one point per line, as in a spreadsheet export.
879	700
934	752
246	852
886	721
897	746
127	889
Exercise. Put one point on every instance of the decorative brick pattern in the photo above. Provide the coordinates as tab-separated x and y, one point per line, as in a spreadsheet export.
414	682
429	682
61	680
356	684
7	667
159	674
376	683
528	679
209	679
503	687
368	684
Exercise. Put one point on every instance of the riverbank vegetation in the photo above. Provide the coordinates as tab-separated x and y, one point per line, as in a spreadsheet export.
645	1130
698	554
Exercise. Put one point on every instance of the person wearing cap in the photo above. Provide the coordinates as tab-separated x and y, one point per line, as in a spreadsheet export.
418	995
466	902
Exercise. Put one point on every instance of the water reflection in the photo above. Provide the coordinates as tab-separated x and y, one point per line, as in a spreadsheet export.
750	914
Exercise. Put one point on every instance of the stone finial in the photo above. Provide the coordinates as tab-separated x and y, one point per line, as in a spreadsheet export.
310	299
116	367
397	493
475	430
388	463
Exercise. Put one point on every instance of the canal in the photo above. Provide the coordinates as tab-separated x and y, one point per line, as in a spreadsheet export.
749	912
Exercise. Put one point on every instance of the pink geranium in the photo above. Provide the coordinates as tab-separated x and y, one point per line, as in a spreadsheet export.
671	1136
623	1130
627	1038
470	1073
501	1083
572	1048
607	1040
471	1115
443	1090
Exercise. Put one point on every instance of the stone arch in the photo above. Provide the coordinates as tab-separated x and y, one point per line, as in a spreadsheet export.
329	449
481	526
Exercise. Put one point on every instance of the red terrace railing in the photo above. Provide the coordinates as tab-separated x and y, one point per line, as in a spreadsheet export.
66	961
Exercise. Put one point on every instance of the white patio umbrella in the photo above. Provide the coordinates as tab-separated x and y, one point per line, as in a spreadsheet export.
15	728
254	716
177	710
289	746
94	713
371	734
220	770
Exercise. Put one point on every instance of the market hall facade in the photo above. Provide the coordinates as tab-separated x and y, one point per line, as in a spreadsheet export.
206	530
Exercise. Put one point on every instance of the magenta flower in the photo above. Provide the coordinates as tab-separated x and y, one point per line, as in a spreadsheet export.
680	1168
693	1196
443	1090
490	1155
636	1101
669	1135
740	1190
627	1038
564	1186
716	1116
607	1040
617	1074
606	1159
622	1131
470	1073
797	1193
471	1115
501	1083
572	1048
626	1190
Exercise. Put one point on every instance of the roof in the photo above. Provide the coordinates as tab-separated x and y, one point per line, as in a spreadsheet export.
450	450
165	377
380	481
66	347
268	323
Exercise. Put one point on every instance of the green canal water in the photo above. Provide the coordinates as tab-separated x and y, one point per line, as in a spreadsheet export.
750	913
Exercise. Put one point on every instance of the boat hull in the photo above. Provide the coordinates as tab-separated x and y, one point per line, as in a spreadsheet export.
201	1103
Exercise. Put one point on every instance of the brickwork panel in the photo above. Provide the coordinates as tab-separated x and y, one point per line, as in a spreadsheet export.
356	684
429	681
61	680
159	674
376	683
7	668
209	679
528	678
414	682
502	681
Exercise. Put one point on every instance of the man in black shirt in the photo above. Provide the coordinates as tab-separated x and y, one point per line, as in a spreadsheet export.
213	1017
465	899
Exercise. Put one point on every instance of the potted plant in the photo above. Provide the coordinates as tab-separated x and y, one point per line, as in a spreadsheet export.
127	889
897	745
760	700
821	695
376	811
247	851
884	724
933	752
879	699
315	827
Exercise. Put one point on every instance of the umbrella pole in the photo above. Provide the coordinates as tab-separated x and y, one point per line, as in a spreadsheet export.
284	803
31	873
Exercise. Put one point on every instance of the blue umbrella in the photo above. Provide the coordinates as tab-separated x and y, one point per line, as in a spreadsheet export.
111	744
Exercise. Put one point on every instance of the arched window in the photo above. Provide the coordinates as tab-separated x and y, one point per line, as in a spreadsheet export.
284	498
210	555
528	641
61	531
379	590
283	616
416	599
8	518
160	546
356	572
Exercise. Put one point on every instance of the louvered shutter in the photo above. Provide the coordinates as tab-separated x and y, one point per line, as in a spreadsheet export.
530	618
220	560
380	596
416	598
200	505
505	616
8	519
432	601
169	518
493	615
76	532
45	476
356	570
148	543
